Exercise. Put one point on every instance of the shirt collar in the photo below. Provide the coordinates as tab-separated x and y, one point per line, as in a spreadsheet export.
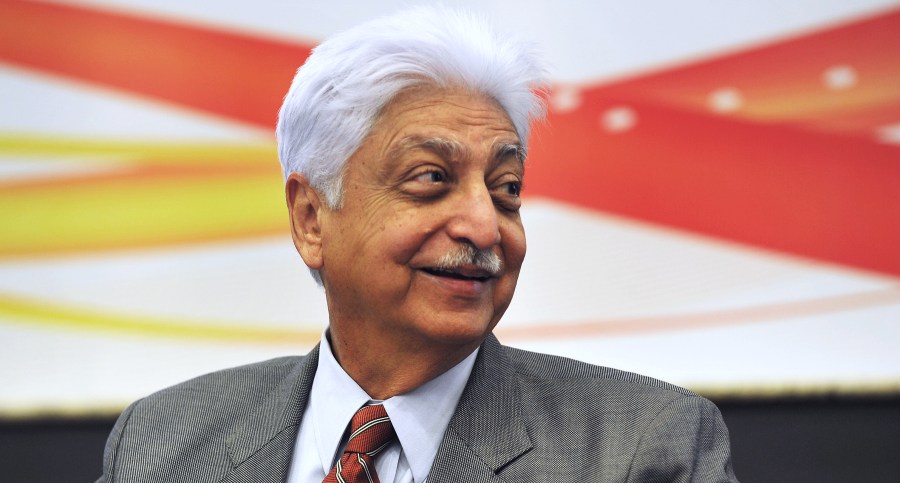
419	417
333	400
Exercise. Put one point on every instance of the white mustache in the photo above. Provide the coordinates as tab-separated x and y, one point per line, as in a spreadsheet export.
466	254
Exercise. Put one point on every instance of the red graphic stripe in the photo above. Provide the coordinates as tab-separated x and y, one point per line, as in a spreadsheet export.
237	76
811	194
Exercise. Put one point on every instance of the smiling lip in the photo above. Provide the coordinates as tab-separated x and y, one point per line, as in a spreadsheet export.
464	273
470	283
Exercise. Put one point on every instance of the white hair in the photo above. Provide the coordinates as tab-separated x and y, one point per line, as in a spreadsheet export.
339	92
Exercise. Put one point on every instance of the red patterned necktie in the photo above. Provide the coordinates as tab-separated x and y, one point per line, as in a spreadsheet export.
370	432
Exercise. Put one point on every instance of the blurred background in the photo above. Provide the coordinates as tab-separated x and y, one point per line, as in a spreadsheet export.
714	200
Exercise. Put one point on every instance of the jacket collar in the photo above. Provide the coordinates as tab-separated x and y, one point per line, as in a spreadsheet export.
487	431
260	447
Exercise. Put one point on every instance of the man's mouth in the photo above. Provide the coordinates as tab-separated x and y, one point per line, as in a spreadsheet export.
473	277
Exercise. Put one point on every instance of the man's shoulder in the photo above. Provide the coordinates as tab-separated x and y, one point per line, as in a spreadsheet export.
588	396
215	402
232	386
551	370
617	425
180	433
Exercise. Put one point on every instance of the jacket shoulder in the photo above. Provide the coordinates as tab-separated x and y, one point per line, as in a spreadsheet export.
537	366
620	425
183	429
227	386
211	405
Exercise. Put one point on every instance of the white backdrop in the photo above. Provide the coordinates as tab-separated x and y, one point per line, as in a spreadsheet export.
90	328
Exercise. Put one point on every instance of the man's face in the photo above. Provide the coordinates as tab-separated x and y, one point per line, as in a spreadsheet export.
439	171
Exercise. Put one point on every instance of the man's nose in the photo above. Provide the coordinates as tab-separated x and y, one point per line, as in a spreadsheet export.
475	218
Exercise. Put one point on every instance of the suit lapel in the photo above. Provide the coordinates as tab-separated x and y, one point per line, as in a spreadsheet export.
487	430
261	447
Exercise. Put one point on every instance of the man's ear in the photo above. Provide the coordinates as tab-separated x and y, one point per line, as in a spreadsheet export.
304	206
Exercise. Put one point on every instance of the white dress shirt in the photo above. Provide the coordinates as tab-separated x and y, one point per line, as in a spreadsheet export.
420	418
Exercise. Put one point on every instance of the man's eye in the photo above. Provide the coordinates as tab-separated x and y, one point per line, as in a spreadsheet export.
513	188
430	177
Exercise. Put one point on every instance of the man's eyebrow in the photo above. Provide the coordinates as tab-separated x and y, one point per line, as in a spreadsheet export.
451	150
511	149
445	148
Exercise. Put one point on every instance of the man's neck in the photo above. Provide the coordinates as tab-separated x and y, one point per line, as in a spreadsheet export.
386	368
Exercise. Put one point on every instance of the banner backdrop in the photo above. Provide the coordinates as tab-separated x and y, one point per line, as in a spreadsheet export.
714	199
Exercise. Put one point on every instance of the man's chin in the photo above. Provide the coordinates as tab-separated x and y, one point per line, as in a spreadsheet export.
460	332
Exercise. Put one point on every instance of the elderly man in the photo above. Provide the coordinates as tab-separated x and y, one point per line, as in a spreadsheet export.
403	147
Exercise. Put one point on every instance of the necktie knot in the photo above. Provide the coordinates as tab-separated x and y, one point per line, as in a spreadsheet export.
370	432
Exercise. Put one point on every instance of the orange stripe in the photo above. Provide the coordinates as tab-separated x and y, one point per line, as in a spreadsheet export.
740	316
125	174
237	76
43	313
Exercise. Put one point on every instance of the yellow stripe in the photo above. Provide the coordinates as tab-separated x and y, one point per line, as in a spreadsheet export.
39	313
140	213
133	211
143	152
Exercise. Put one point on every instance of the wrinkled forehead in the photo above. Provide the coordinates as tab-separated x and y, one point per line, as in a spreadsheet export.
449	122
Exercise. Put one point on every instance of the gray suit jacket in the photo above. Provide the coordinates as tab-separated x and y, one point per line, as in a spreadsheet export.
522	417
